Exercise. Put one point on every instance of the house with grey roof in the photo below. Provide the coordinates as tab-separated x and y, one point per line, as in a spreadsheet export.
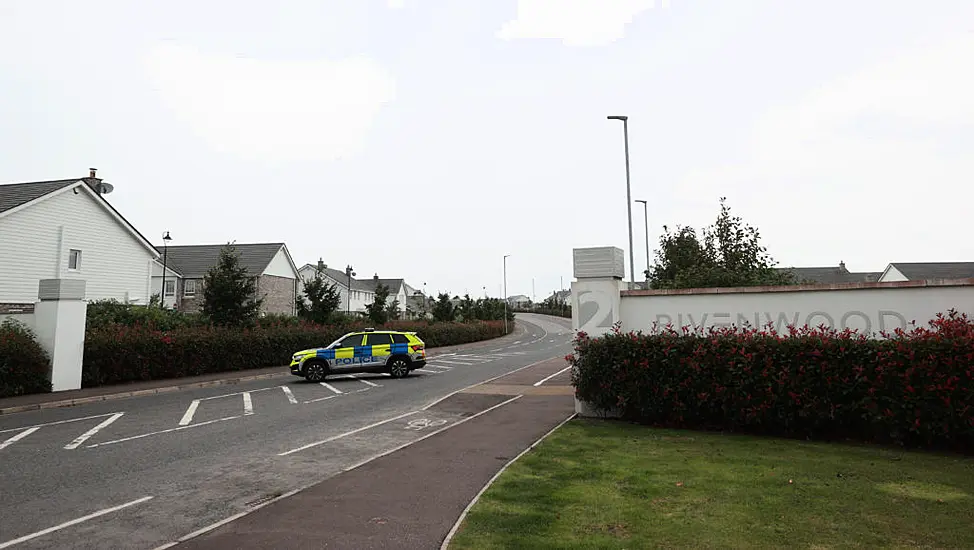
67	229
920	271
357	293
830	275
270	264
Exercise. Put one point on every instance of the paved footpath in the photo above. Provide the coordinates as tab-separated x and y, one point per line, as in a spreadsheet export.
412	497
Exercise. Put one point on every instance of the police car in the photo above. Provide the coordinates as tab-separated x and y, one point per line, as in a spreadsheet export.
388	351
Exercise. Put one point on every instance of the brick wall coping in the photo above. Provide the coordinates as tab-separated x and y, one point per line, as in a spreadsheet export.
802	288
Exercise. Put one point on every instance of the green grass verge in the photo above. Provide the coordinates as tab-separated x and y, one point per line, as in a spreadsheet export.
595	484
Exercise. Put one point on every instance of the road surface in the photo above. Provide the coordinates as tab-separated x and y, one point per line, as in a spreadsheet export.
144	472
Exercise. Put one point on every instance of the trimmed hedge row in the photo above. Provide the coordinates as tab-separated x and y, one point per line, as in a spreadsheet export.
913	388
24	364
116	354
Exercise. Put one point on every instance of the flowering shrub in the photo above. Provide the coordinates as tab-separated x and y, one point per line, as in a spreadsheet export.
119	353
915	387
24	364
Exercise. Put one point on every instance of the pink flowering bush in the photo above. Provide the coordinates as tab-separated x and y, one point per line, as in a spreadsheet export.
913	388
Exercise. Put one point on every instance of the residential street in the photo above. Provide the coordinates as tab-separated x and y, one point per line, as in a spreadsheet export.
159	467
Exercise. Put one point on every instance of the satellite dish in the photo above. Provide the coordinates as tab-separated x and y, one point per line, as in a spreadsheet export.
105	188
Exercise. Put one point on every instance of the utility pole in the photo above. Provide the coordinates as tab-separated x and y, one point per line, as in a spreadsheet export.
632	262
505	293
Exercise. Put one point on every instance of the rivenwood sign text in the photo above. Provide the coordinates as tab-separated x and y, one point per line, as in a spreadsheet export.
880	320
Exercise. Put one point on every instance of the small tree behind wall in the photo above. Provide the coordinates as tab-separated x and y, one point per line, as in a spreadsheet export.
229	292
320	300
376	311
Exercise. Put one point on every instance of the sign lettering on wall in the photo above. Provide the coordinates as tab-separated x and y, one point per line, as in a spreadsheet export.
15	309
880	320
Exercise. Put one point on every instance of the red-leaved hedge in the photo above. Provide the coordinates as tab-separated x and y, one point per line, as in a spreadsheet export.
118	353
913	388
24	365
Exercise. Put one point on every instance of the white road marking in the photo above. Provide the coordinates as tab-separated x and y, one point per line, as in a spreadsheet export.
238	393
290	396
330	387
366	382
426	371
516	343
445	368
546	378
321	399
190	411
346	434
56	423
85	436
248	403
165	431
451	394
19	436
83	519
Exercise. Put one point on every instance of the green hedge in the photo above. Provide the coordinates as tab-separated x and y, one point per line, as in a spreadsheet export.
118	353
913	388
24	365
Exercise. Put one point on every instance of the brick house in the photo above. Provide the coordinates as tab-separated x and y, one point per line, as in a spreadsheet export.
270	263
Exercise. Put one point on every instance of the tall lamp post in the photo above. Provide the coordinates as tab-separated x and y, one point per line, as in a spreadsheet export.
348	296
625	130
505	292
646	219
165	261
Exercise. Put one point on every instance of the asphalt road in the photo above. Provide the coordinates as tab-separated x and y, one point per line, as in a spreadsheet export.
143	472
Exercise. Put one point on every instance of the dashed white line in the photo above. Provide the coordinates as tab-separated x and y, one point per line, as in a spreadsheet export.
238	393
56	423
87	435
248	403
190	411
83	519
321	399
289	394
330	387
346	434
19	436
366	382
427	371
165	431
445	368
546	378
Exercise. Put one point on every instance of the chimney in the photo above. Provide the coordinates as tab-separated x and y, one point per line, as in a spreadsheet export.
842	265
91	172
375	277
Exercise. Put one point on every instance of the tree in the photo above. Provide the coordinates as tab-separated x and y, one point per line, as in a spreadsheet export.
730	254
392	310
376	311
229	292
323	300
443	308
468	308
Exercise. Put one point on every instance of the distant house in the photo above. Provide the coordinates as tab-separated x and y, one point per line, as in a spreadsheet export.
561	297
270	263
919	271
355	294
519	300
397	291
830	274
67	229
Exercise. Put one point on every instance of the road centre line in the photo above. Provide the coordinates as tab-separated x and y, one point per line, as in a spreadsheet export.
546	378
56	423
19	436
190	411
248	403
451	394
289	394
165	431
85	436
82	519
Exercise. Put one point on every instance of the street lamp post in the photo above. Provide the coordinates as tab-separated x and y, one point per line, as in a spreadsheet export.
348	295
646	219
625	130
165	265
505	292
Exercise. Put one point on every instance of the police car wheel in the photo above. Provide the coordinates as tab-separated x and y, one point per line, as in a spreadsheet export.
315	371
399	368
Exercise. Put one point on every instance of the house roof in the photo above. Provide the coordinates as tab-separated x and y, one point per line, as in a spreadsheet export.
193	261
935	270
14	196
342	279
822	275
392	284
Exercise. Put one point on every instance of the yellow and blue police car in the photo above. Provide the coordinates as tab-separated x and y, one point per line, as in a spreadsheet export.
369	351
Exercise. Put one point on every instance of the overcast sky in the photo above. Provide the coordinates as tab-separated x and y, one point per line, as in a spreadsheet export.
425	139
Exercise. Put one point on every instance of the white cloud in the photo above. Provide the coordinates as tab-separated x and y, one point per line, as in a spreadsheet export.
272	110
575	22
396	4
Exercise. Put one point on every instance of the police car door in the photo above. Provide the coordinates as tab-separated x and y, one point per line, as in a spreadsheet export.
379	344
348	354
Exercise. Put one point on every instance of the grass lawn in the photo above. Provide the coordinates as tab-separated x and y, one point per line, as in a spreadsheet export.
606	484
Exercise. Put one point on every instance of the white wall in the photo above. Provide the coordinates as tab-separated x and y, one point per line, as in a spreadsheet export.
35	244
25	318
280	266
893	275
872	307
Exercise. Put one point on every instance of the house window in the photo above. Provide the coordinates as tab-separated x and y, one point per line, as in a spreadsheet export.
189	288
170	287
74	260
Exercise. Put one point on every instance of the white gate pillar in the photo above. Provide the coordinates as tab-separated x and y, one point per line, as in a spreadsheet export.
59	323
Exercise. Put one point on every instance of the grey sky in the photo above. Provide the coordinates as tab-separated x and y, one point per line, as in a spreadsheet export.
398	136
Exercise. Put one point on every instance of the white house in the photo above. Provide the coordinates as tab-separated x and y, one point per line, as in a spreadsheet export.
362	290
918	271
66	229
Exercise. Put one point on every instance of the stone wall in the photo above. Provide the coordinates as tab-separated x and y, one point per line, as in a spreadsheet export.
278	294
